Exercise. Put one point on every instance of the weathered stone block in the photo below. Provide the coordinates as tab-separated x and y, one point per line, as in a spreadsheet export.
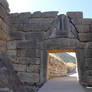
59	43
89	45
83	28
29	77
88	63
85	37
16	27
2	43
19	68
74	15
35	27
11	52
27	44
5	90
77	21
21	52
33	68
26	60
13	59
89	80
41	21
3	35
86	21
16	36
32	53
51	14
36	14
88	53
11	45
34	35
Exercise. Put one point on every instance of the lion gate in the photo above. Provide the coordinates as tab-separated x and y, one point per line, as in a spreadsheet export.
29	38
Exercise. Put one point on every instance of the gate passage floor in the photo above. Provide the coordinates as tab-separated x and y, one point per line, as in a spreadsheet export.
64	84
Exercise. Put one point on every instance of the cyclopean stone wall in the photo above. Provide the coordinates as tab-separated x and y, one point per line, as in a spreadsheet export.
26	38
84	53
56	67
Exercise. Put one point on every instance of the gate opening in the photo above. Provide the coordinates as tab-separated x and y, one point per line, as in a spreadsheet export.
62	63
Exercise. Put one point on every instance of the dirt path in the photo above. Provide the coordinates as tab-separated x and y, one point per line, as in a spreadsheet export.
67	84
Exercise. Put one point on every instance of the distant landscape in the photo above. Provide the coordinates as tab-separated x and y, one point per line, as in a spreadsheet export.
69	60
65	57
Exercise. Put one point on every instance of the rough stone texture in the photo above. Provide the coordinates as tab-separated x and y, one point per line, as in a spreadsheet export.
85	37
32	44
56	67
8	78
28	77
26	39
16	36
19	67
83	28
33	68
75	15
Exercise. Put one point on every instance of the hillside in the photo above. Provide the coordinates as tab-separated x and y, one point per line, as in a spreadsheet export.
65	57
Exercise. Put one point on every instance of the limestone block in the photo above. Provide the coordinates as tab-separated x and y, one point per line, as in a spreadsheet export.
28	77
88	53
74	15
63	43
34	35
19	67
77	21
36	14
26	44
16	27
11	52
89	80
85	37
32	53
41	21
51	14
26	60
13	59
33	68
89	45
83	28
86	21
4	90
25	15
2	44
3	35
81	45
16	36
11	45
21	52
19	18
3	25
35	27
88	63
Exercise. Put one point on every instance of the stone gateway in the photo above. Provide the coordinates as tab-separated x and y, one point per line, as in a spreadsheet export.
26	38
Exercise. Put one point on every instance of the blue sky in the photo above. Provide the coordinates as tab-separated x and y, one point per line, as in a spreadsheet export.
52	5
